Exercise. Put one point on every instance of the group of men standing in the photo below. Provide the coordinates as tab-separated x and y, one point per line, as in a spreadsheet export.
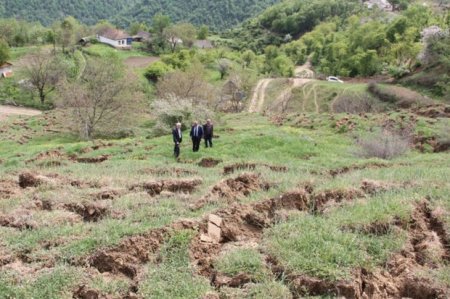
198	132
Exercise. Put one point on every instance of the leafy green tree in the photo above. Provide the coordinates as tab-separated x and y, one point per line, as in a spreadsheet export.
135	27
4	51
159	23
157	70
203	32
248	57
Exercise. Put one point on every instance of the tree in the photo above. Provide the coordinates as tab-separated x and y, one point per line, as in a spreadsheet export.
135	27
183	33
187	85
4	51
203	32
159	23
223	66
44	72
157	70
102	98
66	32
248	57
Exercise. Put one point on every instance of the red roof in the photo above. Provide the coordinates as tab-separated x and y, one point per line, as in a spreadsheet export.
114	34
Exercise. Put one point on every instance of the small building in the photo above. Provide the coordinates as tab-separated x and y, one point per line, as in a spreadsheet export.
381	4
117	38
6	70
142	36
203	44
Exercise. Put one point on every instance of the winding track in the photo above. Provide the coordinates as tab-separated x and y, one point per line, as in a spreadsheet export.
6	111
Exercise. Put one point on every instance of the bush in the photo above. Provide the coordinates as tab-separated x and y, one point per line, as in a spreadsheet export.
173	109
384	145
157	70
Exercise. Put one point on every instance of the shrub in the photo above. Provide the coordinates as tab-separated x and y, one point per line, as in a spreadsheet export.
384	145
173	109
157	70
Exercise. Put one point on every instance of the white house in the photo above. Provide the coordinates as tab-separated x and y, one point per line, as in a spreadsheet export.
116	38
6	70
381	4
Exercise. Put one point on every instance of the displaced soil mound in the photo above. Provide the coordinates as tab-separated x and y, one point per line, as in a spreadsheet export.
433	111
209	162
178	172
92	160
251	166
131	254
156	187
20	219
92	211
30	179
232	189
346	169
8	189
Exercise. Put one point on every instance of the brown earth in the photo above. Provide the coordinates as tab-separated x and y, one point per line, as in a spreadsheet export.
8	189
156	187
92	160
90	211
209	162
251	166
20	219
232	189
346	169
178	172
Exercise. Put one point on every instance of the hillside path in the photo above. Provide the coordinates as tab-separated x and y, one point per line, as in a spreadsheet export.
259	94
11	110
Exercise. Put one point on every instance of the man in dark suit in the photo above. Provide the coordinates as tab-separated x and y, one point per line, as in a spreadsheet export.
177	139
196	135
208	133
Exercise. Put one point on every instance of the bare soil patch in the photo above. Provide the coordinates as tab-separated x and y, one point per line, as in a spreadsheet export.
209	162
8	189
156	187
346	169
140	62
90	211
92	160
251	166
20	219
177	172
232	189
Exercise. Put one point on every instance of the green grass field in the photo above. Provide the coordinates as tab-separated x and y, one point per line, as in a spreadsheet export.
55	233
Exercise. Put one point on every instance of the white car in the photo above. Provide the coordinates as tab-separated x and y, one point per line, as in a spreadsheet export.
334	79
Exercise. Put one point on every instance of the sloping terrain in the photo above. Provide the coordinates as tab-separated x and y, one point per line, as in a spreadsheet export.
272	211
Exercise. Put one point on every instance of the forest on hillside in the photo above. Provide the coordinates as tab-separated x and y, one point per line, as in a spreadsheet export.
215	14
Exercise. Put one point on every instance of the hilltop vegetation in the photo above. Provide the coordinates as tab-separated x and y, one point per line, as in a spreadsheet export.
215	14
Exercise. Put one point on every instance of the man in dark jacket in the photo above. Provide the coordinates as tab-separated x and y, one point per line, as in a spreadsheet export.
208	133
177	139
196	135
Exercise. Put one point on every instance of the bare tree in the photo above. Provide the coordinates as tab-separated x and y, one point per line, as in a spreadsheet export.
187	85
103	97
44	72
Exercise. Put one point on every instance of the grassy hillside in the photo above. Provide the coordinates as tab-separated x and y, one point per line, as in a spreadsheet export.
122	217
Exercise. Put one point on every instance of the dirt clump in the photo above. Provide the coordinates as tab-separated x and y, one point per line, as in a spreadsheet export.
236	281
209	162
239	166
157	187
232	189
328	197
90	211
178	172
85	292
130	254
20	219
433	111
372	187
93	160
346	169
48	155
8	189
28	179
108	194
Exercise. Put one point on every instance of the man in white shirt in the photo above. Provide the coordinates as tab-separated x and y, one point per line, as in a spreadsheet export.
177	139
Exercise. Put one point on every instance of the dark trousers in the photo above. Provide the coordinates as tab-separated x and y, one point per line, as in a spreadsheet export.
196	143
208	141
176	150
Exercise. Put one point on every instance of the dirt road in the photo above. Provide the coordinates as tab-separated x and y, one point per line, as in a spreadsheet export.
140	62
259	94
6	111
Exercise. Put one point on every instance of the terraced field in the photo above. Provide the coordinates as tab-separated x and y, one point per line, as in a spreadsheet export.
279	208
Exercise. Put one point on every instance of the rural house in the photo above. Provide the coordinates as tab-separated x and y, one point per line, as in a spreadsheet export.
116	38
142	36
203	44
381	4
6	70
